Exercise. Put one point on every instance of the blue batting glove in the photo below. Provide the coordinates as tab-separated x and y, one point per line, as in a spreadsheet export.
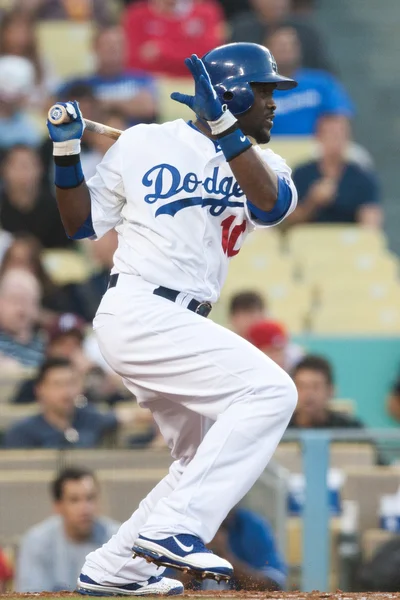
205	102
67	136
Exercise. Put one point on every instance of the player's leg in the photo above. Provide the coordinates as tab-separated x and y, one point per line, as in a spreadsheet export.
113	562
161	347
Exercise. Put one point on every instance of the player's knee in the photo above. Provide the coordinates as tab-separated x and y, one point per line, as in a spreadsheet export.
284	392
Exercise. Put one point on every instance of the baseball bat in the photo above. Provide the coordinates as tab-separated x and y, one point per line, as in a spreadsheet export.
58	115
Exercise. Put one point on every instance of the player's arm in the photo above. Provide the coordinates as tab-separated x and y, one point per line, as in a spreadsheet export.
269	195
87	210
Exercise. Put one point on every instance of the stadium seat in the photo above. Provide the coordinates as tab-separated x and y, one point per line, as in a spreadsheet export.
122	490
320	265
169	110
256	272
263	241
10	381
335	290
66	266
295	150
366	485
342	455
355	319
372	539
14	460
10	413
67	46
302	239
343	405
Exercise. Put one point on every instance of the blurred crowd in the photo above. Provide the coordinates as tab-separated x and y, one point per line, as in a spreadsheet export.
46	342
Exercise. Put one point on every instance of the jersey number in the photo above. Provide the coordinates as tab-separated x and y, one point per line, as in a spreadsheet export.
231	236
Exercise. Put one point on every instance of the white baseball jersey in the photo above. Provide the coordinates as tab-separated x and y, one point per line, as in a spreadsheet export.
178	210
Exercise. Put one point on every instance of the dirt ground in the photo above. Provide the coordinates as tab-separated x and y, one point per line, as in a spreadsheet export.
228	594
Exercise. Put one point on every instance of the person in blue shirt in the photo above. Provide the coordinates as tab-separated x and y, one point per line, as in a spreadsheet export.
332	188
133	94
318	92
61	423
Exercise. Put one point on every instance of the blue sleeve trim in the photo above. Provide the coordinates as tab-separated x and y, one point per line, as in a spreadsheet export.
282	204
85	231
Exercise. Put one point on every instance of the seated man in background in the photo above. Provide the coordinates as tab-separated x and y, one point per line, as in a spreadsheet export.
66	340
245	308
317	94
333	188
52	553
266	15
132	93
65	420
313	377
21	346
161	33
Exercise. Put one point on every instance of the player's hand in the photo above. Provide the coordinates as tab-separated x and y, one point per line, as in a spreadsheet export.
68	131
205	102
323	192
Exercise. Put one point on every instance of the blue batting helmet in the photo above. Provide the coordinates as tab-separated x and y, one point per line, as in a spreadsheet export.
233	67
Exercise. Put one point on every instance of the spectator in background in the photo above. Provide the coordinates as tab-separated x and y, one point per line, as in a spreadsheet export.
162	33
318	92
52	553
26	205
25	252
101	11
65	419
18	37
17	79
313	377
6	572
333	188
233	7
266	15
20	344
245	309
132	93
271	338
66	340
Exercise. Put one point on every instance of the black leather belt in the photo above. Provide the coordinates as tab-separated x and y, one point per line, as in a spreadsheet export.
201	308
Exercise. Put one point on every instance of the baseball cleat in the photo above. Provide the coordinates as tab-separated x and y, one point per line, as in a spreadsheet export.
186	553
155	586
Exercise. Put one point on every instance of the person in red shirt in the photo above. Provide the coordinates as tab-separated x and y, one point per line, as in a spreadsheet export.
6	573
162	33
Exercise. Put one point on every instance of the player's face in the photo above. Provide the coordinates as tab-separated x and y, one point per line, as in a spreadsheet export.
79	506
258	120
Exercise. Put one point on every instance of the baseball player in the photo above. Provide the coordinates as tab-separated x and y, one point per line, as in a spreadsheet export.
182	197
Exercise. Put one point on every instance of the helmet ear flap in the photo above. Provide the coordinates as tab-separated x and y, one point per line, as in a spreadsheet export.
238	98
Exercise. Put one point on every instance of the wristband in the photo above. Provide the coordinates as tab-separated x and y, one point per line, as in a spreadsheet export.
234	143
68	171
67	148
226	121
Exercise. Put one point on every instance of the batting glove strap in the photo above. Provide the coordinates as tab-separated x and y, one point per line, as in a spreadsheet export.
225	122
234	143
68	171
67	148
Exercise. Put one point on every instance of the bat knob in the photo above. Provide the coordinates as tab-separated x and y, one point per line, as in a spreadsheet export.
58	115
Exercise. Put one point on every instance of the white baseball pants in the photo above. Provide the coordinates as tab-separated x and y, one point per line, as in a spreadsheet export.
221	405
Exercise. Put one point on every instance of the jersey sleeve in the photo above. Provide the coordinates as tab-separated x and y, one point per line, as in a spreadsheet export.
107	192
283	171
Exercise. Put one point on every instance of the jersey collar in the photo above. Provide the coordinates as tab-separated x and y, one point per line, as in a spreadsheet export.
193	126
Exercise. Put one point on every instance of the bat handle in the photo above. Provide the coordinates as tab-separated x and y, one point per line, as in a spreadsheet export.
58	115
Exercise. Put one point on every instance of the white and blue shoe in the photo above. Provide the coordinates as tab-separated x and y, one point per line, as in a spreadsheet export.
186	553
155	586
